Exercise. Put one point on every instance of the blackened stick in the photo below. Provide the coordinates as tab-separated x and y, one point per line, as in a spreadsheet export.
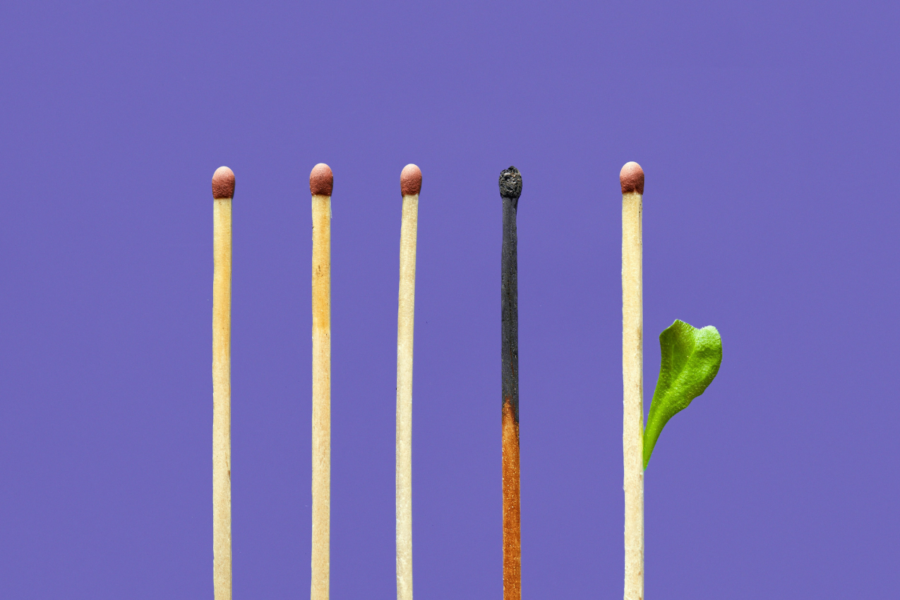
510	190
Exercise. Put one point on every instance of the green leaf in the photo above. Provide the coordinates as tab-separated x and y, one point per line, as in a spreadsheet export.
690	361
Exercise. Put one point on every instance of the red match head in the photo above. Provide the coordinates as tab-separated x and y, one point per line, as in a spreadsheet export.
632	178
321	180
410	180
223	183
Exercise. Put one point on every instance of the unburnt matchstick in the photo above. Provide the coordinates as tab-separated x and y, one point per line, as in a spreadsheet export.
510	190
223	192
410	185
321	182
631	178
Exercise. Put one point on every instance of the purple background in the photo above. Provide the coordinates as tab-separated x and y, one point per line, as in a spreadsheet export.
769	135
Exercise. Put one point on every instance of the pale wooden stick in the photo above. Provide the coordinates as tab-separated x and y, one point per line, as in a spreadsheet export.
321	182
632	180
223	192
410	185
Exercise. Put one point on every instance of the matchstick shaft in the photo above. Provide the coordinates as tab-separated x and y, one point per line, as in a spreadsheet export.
405	322
221	372
509	291
321	396
633	382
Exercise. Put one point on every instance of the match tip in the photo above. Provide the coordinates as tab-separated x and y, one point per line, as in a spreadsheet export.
223	183
321	180
632	178
510	183
410	180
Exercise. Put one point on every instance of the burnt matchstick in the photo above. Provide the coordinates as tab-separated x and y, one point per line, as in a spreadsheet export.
510	190
632	179
410	185
223	192
321	182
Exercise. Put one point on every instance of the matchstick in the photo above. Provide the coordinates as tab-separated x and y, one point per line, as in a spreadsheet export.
321	182
510	190
223	192
632	179
410	185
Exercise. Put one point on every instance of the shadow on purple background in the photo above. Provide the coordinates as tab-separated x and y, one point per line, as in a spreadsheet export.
769	136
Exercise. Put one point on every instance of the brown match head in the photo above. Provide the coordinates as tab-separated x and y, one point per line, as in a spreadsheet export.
411	180
223	183
321	180
632	178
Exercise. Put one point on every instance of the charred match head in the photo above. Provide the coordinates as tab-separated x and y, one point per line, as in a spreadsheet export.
223	183
632	178
411	180
321	180
511	184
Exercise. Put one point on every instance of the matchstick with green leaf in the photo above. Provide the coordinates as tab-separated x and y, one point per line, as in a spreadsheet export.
690	361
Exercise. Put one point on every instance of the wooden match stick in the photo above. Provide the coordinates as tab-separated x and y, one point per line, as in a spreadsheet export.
223	192
510	190
321	182
410	185
632	179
